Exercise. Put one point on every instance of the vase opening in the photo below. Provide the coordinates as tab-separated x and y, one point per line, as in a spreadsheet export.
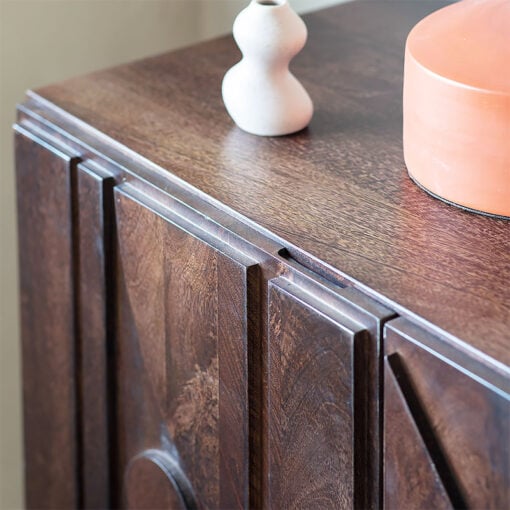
270	3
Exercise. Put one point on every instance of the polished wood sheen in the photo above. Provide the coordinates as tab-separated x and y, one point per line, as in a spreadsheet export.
214	320
316	421
322	190
402	440
184	350
445	428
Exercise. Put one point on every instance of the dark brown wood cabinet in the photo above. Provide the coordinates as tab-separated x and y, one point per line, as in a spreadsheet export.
216	320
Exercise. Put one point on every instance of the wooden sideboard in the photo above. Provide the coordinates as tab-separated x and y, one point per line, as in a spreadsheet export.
216	320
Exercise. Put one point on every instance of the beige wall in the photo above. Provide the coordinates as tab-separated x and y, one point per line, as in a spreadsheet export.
43	41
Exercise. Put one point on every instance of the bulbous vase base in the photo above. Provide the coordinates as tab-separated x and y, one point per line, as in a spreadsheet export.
260	93
262	107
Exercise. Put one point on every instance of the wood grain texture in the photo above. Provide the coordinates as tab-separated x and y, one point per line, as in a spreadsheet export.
372	316
411	478
184	350
45	218
316	419
258	394
95	226
337	191
461	420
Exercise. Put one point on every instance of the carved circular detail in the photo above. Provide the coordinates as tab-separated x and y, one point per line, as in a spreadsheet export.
154	481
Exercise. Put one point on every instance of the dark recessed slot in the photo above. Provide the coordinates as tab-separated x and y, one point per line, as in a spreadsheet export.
304	262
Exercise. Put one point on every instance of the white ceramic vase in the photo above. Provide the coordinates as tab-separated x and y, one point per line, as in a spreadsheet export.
260	93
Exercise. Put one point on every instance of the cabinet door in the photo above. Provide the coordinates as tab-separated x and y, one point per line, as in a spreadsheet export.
320	361
446	427
182	352
45	176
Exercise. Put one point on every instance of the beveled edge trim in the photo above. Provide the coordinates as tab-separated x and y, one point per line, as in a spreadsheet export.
495	380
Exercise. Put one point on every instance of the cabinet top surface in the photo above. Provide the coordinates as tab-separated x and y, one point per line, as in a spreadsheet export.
338	190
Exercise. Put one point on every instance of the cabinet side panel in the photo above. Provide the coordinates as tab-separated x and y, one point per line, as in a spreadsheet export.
311	406
95	199
44	184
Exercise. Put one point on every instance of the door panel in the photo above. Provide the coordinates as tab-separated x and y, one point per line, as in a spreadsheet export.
95	226
182	348
406	455
458	422
45	179
317	427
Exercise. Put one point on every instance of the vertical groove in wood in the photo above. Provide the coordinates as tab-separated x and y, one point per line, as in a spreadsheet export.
380	421
95	209
446	429
362	460
78	381
45	217
256	341
110	236
425	430
410	475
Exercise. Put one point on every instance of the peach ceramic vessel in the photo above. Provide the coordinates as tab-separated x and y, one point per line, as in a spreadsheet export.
457	105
